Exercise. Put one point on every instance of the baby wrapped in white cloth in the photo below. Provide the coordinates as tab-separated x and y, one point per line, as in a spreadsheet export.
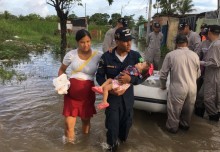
61	84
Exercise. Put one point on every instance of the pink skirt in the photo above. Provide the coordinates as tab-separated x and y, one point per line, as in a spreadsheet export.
80	99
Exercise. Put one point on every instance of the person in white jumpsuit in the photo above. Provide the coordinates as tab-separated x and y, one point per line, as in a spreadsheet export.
212	75
194	39
203	49
109	40
154	41
184	68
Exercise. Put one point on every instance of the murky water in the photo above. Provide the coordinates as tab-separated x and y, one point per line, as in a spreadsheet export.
31	119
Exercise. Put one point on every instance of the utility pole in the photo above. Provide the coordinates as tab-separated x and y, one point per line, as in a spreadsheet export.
85	9
86	18
149	18
218	4
218	9
122	7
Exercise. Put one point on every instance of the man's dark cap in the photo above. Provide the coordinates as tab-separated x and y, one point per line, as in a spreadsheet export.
157	25
181	38
214	29
123	34
182	25
123	21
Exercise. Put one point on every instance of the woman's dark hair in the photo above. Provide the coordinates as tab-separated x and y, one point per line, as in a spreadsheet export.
82	33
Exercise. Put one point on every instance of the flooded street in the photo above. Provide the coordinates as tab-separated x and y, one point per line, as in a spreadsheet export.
31	119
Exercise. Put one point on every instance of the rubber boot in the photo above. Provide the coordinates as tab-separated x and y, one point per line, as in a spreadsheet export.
214	117
183	127
199	112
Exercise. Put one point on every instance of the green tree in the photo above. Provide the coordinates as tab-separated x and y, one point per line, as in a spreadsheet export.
6	15
51	18
185	6
130	19
114	19
141	20
72	16
99	18
62	8
168	7
33	16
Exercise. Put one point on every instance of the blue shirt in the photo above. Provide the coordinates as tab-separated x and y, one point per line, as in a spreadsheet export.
109	67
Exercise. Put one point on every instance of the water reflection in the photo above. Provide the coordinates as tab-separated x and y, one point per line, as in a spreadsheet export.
20	69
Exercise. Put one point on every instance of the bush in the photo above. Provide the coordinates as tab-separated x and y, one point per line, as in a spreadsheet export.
11	50
164	50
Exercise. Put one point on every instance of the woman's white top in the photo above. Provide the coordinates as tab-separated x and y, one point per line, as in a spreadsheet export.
88	72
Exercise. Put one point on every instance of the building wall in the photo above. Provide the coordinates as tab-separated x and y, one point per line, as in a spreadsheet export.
141	32
72	29
172	32
212	21
199	22
162	20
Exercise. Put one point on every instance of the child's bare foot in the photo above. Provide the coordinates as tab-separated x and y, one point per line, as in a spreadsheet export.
102	105
97	89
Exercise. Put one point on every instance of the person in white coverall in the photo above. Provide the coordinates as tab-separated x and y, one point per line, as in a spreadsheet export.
212	75
109	40
154	41
184	68
203	49
194	39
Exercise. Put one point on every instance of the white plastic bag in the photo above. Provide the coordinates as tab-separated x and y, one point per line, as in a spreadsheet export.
61	84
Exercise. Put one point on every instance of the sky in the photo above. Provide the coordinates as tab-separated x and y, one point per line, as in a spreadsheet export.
124	7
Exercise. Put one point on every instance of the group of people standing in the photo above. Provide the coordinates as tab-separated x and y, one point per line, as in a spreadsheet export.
183	64
190	89
208	98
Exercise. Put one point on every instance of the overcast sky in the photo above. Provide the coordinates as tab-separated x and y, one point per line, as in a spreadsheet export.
126	7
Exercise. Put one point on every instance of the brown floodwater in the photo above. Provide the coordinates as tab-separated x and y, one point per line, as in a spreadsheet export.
31	119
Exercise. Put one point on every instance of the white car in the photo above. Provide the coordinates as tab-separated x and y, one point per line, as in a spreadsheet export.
148	95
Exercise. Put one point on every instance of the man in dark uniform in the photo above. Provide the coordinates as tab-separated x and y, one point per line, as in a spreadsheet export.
120	111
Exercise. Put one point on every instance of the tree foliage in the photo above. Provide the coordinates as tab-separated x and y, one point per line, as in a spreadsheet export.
33	16
62	8
110	2
168	7
72	16
6	15
141	20
185	6
99	18
130	19
51	18
114	19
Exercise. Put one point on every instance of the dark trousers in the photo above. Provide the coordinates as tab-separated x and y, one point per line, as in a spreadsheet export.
199	97
118	123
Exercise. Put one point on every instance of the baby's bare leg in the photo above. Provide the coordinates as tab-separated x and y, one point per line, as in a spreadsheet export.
106	89
108	81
